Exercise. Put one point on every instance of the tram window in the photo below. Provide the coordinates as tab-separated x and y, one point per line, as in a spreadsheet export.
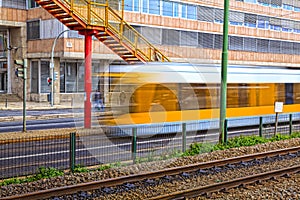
289	93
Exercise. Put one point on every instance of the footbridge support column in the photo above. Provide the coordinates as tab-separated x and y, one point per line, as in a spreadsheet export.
88	77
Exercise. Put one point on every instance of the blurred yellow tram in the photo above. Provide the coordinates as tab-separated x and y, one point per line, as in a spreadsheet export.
169	92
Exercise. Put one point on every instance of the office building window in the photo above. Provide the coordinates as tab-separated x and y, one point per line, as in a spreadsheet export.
170	37
263	22
167	8
250	20
188	38
191	12
35	77
145	6
18	4
205	14
128	5
182	8
45	88
154	7
33	30
32	4
236	18
218	15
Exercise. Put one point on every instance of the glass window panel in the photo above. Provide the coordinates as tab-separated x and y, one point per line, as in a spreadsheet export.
297	9
250	20
154	7
262	45
296	48
33	30
249	44
137	5
71	77
175	9
235	43
264	2
287	47
19	4
81	78
32	4
183	11
35	77
153	35
218	41
275	24
276	3
206	40
296	3
263	22
188	38
145	6
275	46
218	15
191	12
287	7
236	18
287	2
128	5
62	77
170	37
250	1
44	75
205	14
167	9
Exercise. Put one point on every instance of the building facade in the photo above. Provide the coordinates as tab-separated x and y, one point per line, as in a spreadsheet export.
261	32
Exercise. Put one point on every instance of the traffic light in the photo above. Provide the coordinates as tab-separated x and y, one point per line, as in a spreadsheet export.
55	76
49	81
20	72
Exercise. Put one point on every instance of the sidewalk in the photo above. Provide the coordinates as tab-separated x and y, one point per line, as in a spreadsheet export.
34	105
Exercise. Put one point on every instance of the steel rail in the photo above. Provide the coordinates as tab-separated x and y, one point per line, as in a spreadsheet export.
149	175
194	192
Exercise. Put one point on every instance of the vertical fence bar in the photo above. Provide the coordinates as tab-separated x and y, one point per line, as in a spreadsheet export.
72	150
291	124
183	137
260	126
6	103
225	131
133	144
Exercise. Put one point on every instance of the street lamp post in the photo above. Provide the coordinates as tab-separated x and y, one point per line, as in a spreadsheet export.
52	68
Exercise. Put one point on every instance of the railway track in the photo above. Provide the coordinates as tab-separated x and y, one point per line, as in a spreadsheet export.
295	151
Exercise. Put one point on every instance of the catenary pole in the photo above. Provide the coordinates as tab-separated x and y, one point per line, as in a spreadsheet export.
224	73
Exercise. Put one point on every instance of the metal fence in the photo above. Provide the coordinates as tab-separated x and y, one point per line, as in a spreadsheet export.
92	147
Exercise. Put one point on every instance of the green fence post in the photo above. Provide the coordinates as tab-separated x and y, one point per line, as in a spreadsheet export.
133	145
183	137
225	131
260	126
291	124
72	150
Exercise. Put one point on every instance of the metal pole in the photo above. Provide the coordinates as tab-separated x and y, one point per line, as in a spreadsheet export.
226	131
291	124
224	73
52	67
72	151
183	137
260	126
276	123
24	94
133	144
